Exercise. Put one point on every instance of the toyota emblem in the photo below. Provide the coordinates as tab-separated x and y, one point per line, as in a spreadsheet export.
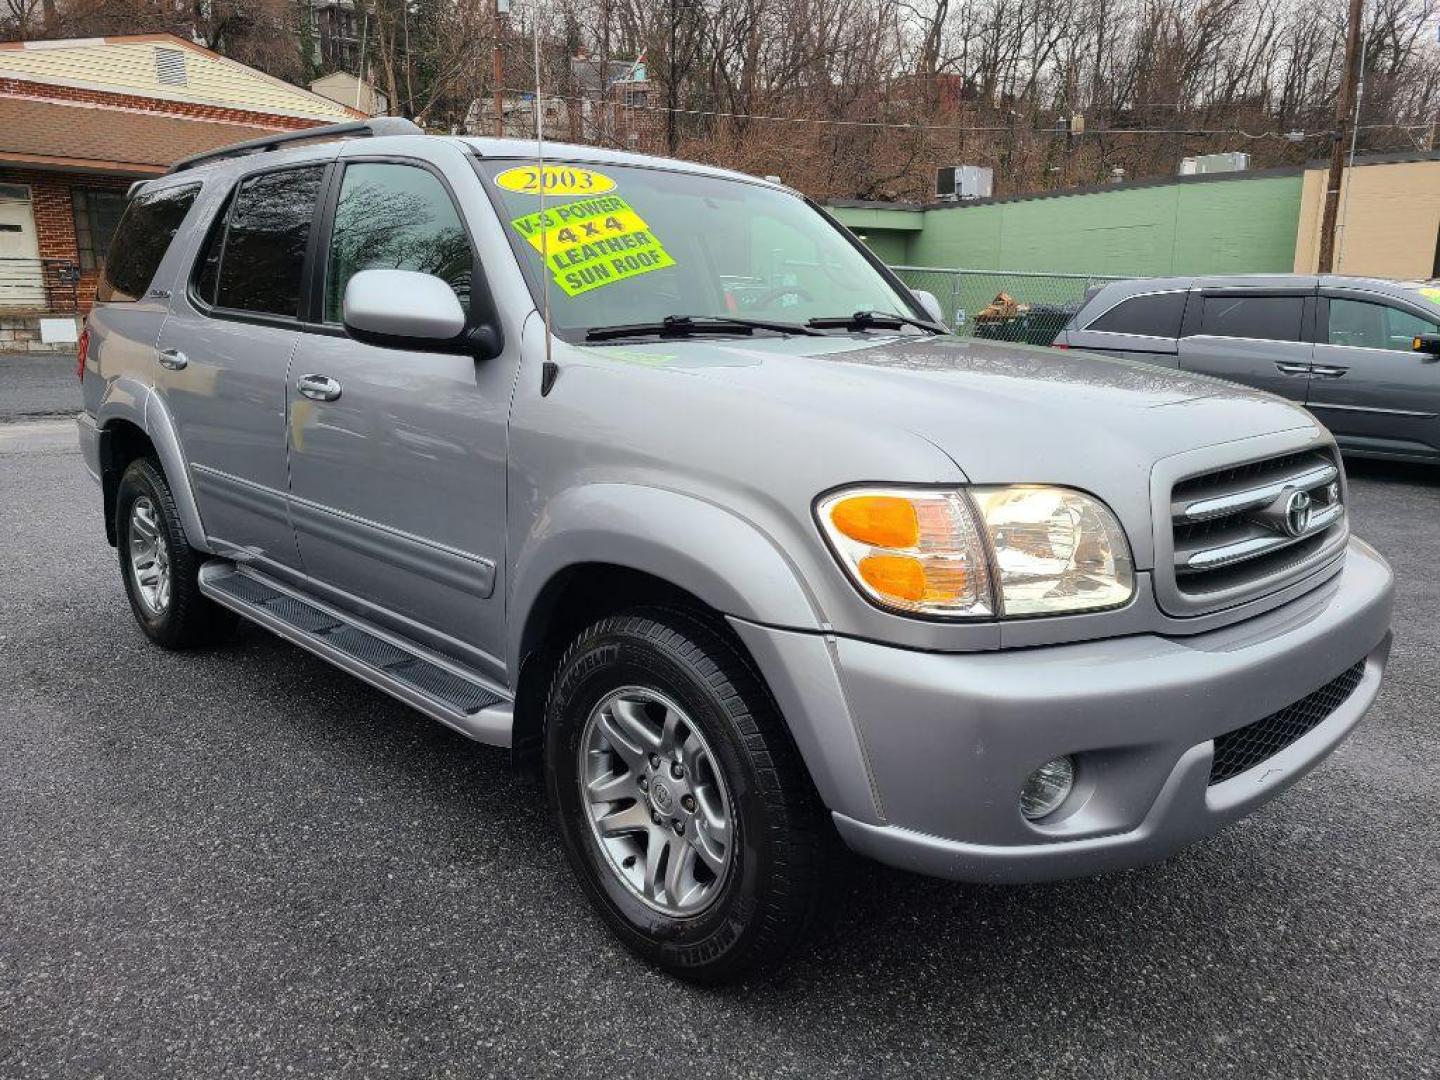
1297	513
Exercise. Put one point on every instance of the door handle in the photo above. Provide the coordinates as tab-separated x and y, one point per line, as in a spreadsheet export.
318	387
1286	367
173	359
1327	371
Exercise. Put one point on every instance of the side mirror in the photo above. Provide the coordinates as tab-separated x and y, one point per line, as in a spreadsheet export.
1427	343
930	305
404	309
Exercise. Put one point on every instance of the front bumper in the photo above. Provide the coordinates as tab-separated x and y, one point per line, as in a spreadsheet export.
948	739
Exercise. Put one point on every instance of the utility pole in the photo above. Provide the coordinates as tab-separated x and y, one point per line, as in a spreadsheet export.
498	75
672	91
1337	144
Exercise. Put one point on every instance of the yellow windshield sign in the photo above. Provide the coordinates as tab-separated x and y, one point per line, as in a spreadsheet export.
1431	294
591	243
555	180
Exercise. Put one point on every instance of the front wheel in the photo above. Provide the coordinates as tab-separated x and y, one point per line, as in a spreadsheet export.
682	803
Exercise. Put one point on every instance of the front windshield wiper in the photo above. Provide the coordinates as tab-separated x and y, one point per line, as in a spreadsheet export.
689	325
873	320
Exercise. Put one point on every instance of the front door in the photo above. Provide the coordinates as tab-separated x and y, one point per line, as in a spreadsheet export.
224	356
397	469
22	284
1250	337
1368	385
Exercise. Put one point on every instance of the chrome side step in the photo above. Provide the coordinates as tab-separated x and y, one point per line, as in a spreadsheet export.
437	686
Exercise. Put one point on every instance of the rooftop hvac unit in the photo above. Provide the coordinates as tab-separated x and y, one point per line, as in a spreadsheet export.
1214	163
963	182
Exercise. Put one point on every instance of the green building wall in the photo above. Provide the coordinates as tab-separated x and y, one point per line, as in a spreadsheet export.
1210	226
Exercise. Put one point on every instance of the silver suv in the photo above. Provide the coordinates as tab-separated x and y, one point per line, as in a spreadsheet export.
651	473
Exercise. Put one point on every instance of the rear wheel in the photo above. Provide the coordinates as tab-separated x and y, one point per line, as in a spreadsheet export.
159	567
682	803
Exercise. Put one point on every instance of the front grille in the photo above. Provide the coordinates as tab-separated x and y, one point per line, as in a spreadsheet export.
1244	748
1246	529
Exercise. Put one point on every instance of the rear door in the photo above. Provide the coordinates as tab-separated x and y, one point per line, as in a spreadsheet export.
224	355
1368	385
1144	326
1251	336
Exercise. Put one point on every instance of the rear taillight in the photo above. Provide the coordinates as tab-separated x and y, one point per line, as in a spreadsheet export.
82	350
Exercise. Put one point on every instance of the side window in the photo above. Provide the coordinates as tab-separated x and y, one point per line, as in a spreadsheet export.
1401	329
141	239
207	266
1265	318
261	254
1374	326
397	217
1156	315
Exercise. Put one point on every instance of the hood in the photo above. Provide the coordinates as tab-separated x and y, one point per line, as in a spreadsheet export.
1004	413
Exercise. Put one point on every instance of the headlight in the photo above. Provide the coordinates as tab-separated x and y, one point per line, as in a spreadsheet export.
977	552
1056	550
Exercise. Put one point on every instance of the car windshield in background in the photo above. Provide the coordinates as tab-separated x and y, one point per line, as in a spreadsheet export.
627	246
1430	291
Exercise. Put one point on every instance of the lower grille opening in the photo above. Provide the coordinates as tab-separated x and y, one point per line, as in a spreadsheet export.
1244	748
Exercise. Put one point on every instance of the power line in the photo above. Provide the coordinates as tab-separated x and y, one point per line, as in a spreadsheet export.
952	128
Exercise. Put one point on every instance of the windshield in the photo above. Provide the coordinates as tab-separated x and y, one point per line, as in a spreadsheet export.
1430	291
630	245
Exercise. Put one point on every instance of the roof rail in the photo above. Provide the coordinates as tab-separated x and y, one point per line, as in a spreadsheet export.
379	125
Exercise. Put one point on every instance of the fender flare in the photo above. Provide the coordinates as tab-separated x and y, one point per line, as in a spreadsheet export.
695	545
133	401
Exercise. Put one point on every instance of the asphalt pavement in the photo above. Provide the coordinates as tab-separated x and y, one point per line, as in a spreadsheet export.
36	385
242	863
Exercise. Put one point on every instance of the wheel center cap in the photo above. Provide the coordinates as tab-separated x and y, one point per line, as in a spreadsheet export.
661	797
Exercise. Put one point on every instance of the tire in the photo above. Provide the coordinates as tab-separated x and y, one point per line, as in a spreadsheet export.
165	595
743	893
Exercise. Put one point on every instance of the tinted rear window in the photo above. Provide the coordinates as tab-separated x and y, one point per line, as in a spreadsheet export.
1265	318
141	240
262	253
1156	315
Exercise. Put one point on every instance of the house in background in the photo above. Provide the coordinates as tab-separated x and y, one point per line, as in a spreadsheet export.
81	120
337	34
349	90
605	103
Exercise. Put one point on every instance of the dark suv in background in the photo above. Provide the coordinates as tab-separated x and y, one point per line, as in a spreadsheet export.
1363	354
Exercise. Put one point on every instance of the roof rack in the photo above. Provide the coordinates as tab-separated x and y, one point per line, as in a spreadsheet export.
379	125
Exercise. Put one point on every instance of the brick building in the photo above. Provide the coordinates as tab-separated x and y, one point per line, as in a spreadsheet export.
81	120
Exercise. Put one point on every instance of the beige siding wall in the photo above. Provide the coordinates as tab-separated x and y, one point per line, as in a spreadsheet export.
1392	223
129	67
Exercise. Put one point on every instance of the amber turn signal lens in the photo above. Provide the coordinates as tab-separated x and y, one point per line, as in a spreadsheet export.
899	576
904	577
909	549
879	520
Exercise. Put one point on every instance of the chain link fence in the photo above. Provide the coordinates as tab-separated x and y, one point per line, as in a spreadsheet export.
1007	305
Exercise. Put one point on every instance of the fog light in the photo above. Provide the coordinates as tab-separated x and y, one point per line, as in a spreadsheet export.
1046	788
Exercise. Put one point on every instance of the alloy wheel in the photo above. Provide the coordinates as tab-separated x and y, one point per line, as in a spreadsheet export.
657	804
149	557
